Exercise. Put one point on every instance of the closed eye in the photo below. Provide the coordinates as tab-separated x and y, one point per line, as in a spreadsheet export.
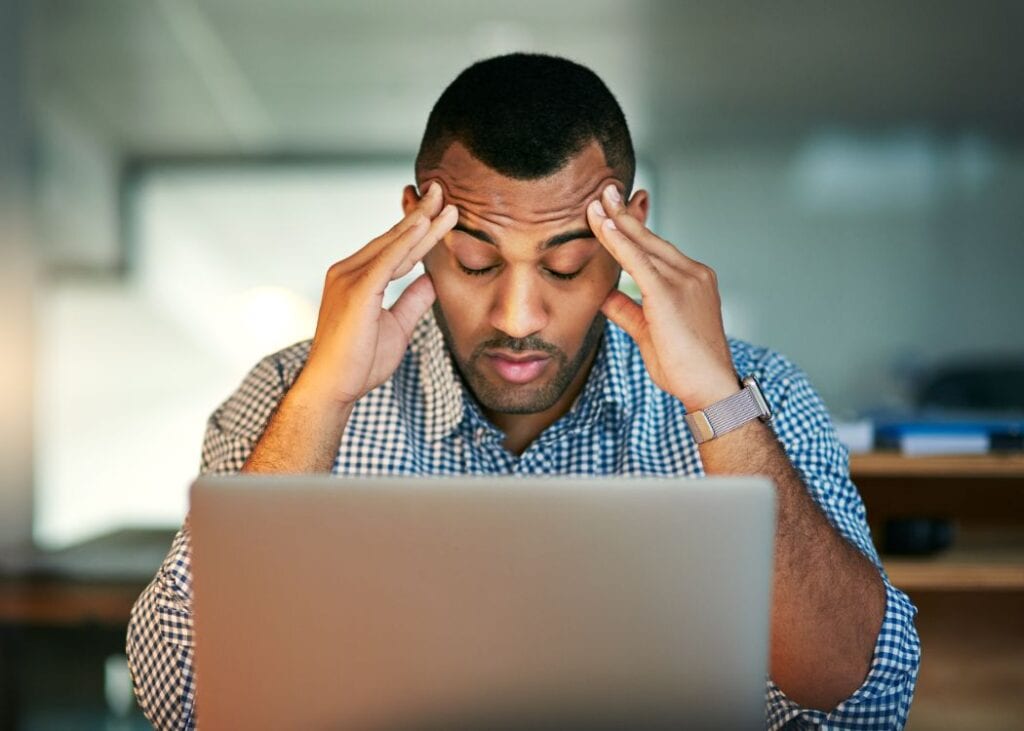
476	272
556	275
564	275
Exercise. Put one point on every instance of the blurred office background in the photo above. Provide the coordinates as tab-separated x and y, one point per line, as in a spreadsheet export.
178	175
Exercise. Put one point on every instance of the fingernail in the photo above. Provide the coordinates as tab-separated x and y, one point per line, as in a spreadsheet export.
433	188
609	223
613	193
598	208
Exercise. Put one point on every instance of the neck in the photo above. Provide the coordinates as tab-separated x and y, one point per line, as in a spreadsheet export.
522	429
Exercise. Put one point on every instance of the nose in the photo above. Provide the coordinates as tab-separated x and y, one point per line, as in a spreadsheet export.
519	309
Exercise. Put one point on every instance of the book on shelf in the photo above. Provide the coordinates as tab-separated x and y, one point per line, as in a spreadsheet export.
933	432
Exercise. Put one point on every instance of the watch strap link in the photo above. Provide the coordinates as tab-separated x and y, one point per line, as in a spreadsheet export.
728	414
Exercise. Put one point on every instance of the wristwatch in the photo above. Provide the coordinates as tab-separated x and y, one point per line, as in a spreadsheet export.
729	413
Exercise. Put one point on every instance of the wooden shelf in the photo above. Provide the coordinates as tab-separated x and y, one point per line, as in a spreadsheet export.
991	560
894	464
950	574
54	603
970	598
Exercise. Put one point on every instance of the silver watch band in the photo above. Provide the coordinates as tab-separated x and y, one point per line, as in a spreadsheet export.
723	416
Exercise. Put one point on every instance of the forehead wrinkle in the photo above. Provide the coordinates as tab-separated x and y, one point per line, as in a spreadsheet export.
570	212
486	196
481	219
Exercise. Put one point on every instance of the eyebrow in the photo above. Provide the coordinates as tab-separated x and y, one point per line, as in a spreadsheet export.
556	240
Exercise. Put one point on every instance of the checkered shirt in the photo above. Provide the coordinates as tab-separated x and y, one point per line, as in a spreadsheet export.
422	421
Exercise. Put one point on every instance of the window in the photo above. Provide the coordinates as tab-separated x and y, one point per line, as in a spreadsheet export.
227	265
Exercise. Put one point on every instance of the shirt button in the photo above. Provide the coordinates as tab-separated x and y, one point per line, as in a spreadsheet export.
480	434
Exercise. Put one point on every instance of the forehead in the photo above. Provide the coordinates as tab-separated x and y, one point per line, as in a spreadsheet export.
486	196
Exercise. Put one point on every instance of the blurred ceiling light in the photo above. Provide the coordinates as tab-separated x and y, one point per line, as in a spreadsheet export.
906	170
230	90
496	37
269	318
839	171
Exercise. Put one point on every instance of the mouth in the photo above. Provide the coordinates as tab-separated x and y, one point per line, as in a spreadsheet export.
518	368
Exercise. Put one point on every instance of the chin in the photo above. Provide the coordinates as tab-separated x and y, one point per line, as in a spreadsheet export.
505	398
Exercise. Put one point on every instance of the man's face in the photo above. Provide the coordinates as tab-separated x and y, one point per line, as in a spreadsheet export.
521	278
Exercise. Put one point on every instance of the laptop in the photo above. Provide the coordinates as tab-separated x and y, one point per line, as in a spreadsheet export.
325	602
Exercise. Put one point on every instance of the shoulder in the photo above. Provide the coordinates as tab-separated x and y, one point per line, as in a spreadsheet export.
278	370
773	370
264	385
799	412
288	362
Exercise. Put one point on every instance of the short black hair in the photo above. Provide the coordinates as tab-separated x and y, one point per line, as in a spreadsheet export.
526	115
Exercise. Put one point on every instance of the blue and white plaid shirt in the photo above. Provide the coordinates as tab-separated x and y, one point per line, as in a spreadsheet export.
422	421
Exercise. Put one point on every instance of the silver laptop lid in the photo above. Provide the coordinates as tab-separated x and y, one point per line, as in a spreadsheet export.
481	602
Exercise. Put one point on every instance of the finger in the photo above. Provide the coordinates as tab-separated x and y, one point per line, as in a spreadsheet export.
627	314
376	274
429	205
441	225
427	209
413	303
639	263
401	255
611	201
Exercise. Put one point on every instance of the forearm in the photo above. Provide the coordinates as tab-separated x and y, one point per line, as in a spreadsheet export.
302	436
829	600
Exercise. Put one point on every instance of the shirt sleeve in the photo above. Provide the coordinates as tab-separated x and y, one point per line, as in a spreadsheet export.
804	428
159	643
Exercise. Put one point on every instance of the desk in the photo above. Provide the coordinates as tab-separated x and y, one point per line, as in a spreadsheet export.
970	598
96	581
62	613
66	603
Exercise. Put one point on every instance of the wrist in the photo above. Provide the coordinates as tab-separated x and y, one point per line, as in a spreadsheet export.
730	412
713	392
313	396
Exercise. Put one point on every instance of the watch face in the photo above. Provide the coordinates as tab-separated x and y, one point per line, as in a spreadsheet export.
762	402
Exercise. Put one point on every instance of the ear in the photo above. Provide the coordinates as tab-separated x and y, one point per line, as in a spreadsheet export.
639	205
410	199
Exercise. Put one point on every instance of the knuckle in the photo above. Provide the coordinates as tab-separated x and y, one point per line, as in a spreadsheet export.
362	277
647	261
690	281
335	270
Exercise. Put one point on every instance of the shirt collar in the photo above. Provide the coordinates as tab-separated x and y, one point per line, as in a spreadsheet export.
428	373
439	383
605	396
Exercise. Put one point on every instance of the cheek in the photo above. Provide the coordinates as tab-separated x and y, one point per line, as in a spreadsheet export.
457	296
432	260
450	284
599	278
578	311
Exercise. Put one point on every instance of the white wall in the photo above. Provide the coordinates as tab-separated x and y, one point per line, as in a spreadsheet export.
861	257
228	267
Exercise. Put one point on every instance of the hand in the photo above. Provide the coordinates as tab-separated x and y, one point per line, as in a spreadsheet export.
358	344
679	325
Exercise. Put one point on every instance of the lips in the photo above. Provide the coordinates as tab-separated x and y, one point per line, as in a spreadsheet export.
519	368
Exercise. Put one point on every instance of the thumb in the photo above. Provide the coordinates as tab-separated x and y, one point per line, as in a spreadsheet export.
627	314
413	303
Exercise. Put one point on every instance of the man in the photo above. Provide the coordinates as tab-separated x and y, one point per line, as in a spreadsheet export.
515	353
